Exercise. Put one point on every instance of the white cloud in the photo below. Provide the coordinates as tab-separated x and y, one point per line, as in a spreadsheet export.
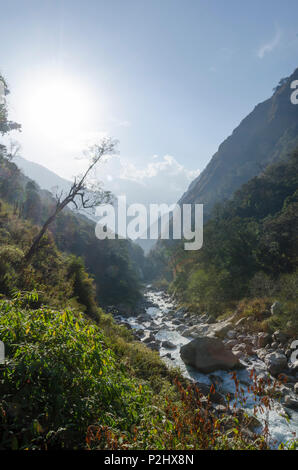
270	45
162	180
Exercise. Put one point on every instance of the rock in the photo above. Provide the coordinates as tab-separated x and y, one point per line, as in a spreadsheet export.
208	354
275	308
180	328
291	403
296	388
204	389
139	334
168	345
231	334
221	329
154	345
249	421
149	339
239	354
244	347
288	353
144	317
171	312
262	353
181	311
280	337
231	343
168	355
263	339
276	363
195	331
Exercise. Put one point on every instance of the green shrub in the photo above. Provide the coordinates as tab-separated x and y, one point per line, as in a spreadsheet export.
58	379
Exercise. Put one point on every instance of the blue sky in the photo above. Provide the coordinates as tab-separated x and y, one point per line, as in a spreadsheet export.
170	79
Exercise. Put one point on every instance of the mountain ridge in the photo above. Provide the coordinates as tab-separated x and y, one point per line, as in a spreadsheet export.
264	136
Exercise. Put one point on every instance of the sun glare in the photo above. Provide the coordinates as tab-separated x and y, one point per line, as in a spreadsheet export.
56	106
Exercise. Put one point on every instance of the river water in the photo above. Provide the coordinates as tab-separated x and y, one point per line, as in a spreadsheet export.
164	327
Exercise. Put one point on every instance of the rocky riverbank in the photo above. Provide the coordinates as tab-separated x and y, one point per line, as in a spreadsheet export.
205	350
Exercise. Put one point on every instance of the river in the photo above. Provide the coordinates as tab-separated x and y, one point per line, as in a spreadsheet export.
165	327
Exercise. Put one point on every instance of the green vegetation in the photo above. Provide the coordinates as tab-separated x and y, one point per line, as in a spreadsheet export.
250	249
72	378
69	383
113	264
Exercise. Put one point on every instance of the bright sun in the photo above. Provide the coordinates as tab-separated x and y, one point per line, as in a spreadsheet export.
56	106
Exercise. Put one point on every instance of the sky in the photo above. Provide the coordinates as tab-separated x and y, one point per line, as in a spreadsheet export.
170	79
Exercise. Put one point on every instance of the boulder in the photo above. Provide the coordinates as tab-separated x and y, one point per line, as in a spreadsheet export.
262	353
221	329
196	330
218	330
149	338
154	345
263	340
168	345
296	388
291	403
244	347
144	317
280	337
208	354
180	328
231	343
239	354
276	362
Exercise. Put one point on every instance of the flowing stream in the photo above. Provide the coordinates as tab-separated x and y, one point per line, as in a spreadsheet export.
165	327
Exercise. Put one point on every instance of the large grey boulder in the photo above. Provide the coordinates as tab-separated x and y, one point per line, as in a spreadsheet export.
276	362
208	355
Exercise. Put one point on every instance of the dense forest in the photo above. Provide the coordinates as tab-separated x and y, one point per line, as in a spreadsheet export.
250	248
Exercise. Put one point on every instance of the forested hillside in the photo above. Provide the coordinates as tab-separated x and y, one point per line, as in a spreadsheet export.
111	263
250	248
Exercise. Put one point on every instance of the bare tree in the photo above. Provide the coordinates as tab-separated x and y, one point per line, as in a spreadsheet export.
13	150
82	194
